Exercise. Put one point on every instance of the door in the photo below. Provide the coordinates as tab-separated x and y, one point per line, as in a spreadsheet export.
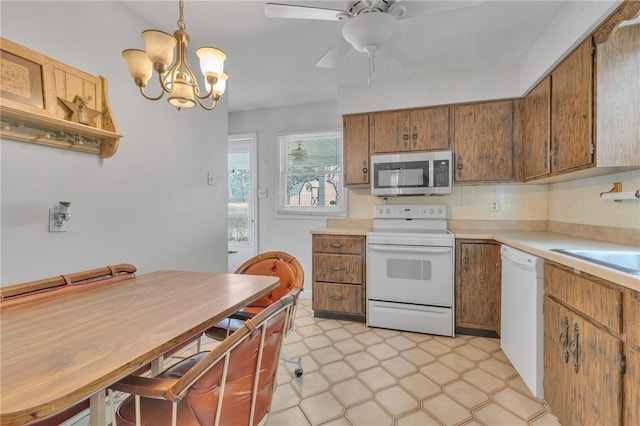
410	274
356	149
242	200
483	142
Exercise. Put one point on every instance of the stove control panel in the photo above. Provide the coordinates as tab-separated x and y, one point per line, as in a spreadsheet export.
410	211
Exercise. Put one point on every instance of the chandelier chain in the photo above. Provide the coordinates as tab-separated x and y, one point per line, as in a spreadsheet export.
181	24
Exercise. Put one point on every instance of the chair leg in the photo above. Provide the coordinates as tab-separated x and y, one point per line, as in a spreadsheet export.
112	406
298	371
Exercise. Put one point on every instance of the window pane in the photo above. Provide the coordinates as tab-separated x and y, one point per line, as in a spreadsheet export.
314	172
239	193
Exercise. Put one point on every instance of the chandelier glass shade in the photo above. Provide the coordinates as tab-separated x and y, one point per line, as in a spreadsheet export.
176	77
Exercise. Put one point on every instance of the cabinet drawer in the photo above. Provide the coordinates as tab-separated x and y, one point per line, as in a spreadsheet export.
338	268
343	298
631	311
338	244
598	301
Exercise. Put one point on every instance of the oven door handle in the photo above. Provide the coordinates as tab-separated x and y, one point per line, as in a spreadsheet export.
410	249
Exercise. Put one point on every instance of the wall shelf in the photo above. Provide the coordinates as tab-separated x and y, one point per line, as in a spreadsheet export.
49	103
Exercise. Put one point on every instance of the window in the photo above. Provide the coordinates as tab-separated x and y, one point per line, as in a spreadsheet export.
311	174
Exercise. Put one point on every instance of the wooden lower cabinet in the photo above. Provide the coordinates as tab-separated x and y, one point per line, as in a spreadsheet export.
582	382
478	276
586	381
339	276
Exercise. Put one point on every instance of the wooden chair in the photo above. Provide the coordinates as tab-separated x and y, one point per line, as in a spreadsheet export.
284	266
232	385
58	285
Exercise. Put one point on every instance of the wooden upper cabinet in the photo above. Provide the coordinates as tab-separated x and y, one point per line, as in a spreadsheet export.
572	111
386	134
420	129
355	141
536	132
483	142
428	128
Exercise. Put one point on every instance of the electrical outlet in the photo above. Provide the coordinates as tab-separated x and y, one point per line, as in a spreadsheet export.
262	193
56	224
494	206
210	180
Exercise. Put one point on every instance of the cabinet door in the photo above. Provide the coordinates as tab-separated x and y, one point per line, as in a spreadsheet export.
537	131
356	149
582	377
632	387
483	142
387	134
478	286
571	110
428	128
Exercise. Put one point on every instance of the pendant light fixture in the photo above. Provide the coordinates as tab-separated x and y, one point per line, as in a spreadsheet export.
177	79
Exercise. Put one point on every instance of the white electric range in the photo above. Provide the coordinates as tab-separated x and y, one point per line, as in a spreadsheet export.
410	269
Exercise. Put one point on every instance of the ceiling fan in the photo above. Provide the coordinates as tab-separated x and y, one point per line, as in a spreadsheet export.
369	24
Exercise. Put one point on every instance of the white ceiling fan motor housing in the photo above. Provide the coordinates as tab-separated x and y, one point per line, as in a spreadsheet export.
371	29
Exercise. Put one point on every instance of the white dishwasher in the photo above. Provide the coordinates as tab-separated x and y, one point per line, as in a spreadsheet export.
521	322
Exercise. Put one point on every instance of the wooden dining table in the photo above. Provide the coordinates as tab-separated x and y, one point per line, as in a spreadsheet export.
64	349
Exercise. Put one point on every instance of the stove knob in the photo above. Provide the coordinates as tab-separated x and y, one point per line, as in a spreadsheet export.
387	210
439	212
431	211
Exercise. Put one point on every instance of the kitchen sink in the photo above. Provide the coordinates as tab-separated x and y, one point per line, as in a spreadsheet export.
623	260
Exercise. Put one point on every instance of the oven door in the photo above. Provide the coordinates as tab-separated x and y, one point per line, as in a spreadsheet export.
410	274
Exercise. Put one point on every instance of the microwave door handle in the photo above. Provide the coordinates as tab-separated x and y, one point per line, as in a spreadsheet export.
412	249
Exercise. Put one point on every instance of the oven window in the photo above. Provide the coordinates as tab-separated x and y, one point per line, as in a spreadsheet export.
408	269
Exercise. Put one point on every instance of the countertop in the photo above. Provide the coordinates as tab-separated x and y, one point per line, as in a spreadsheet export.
538	243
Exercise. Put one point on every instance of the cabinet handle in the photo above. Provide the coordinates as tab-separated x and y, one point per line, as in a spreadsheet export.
414	136
336	245
459	164
564	339
337	297
365	170
554	152
337	269
545	152
574	348
466	261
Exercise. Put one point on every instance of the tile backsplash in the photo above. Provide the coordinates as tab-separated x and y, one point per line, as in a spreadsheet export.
575	202
469	202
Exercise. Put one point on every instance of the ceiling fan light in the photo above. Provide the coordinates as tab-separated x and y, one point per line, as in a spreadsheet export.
369	29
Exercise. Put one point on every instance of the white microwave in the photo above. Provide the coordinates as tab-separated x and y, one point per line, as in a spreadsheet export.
421	173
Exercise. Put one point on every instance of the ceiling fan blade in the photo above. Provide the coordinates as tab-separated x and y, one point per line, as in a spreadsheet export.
334	54
412	9
280	10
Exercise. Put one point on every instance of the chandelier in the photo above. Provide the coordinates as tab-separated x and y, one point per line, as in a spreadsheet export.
177	79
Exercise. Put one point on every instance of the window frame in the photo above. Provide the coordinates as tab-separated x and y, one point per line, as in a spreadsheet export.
284	211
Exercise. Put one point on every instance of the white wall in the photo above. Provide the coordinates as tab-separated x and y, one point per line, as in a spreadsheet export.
149	205
575	21
277	233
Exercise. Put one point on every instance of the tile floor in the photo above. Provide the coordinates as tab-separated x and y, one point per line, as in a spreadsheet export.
360	376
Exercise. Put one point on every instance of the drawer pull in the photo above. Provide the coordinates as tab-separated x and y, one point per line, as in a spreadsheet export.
337	298
336	245
337	269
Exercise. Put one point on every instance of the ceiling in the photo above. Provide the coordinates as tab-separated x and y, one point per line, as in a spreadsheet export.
271	61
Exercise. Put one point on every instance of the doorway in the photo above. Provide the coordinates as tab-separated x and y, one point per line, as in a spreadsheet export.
242	200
